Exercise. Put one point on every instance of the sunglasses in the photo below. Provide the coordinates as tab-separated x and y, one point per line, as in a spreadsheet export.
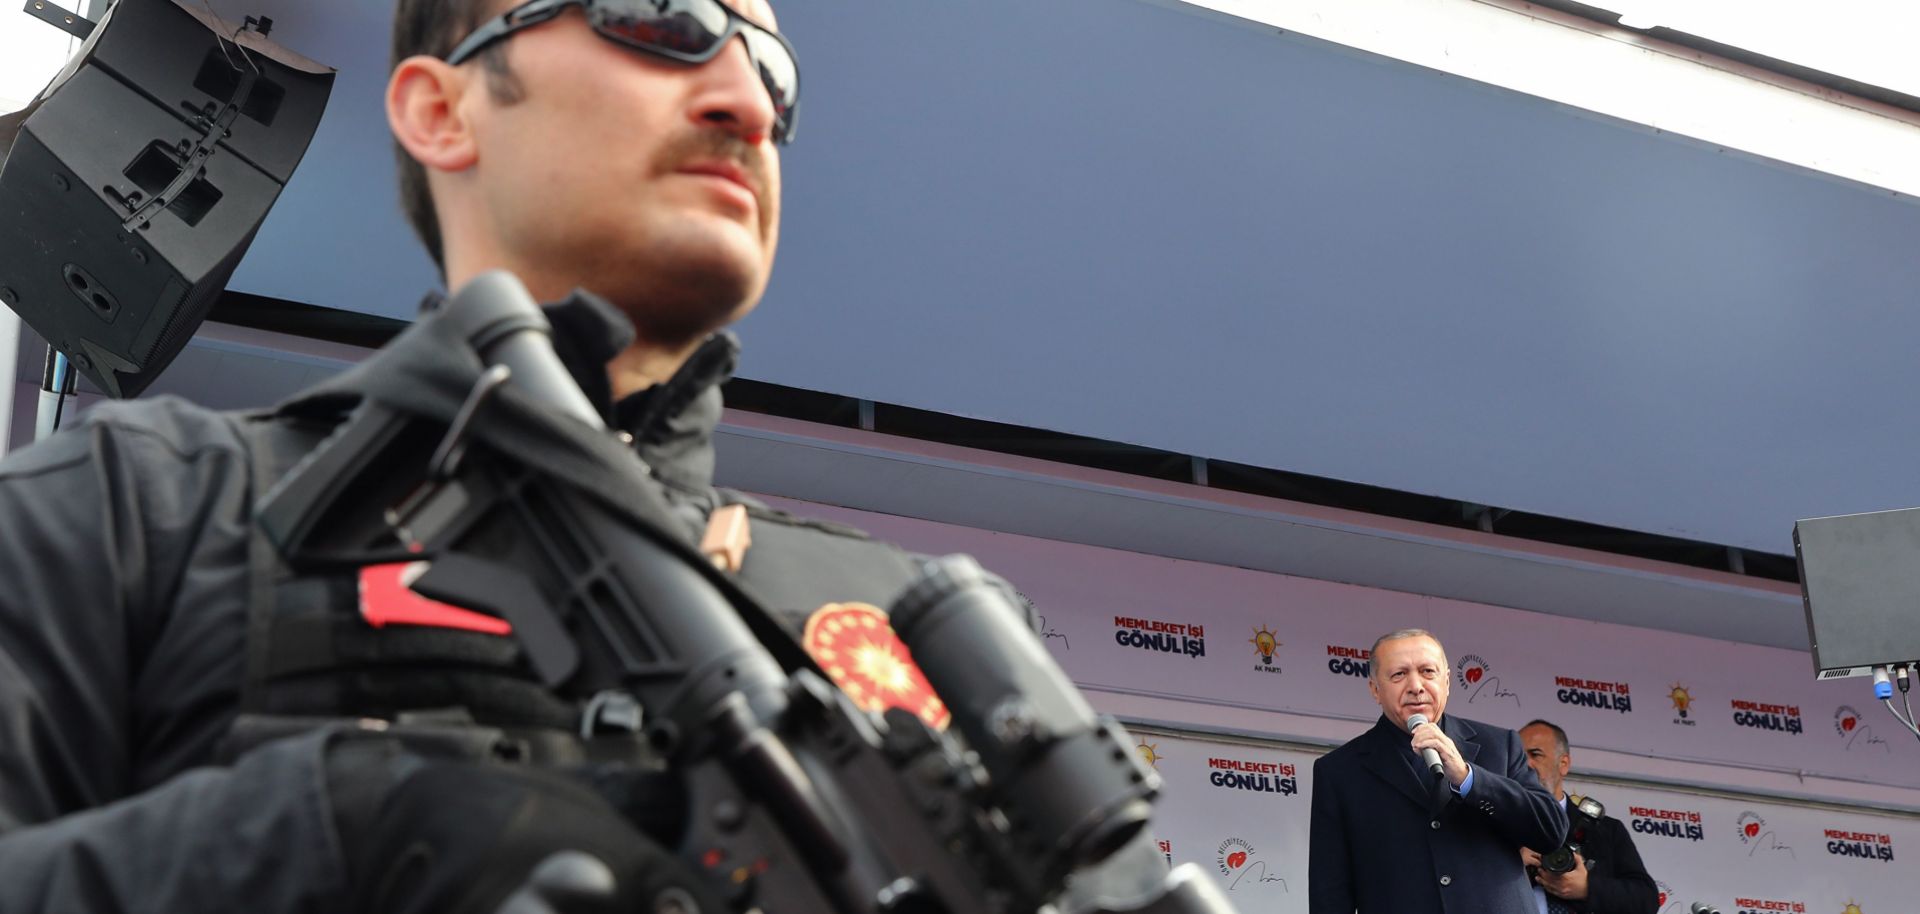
688	31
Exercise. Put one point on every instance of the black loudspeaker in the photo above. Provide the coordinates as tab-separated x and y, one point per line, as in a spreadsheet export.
1860	582
137	181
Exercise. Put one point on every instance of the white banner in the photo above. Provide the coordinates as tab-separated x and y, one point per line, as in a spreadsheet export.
1164	627
1240	811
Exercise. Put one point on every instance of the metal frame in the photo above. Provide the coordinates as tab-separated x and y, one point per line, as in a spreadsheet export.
73	22
9	373
1694	42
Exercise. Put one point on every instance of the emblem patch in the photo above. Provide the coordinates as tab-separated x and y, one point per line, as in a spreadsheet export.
869	662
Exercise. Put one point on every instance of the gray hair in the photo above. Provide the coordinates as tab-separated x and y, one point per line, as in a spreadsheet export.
1559	735
1373	664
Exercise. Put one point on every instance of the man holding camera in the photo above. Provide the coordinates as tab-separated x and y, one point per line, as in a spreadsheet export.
1597	871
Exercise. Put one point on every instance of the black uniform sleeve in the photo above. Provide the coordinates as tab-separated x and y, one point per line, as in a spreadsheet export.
1628	888
123	578
66	646
258	836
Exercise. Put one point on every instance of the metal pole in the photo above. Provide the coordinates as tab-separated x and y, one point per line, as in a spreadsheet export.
9	373
58	377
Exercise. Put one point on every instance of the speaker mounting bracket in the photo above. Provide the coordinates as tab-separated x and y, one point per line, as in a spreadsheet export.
63	19
194	157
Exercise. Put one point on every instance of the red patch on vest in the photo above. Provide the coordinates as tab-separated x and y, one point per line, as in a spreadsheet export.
385	599
869	662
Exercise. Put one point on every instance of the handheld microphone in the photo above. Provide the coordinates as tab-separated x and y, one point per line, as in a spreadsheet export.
1701	907
1430	755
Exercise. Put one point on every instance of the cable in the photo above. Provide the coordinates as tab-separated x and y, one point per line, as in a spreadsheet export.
222	43
1884	691
1896	716
243	51
1896	711
1906	683
66	386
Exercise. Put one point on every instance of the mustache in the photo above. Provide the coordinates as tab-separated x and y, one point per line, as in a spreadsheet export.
708	145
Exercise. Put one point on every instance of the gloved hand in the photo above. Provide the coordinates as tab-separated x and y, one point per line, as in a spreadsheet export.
452	837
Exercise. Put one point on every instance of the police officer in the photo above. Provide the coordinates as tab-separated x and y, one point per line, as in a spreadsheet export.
1607	875
147	630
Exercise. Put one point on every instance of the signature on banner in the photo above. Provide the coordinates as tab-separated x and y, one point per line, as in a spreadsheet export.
1756	836
1239	866
1476	676
1847	723
1770	841
1866	738
1047	632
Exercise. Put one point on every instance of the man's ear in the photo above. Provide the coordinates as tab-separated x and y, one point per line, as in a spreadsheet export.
424	111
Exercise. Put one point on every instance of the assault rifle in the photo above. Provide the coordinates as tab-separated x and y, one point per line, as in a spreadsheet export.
798	801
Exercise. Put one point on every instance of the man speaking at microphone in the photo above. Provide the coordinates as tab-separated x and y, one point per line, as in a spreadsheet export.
1425	813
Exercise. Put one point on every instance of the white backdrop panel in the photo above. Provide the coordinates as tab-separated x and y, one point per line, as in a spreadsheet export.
1149	625
1745	855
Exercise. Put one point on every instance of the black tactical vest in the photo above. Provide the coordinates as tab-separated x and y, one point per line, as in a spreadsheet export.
313	657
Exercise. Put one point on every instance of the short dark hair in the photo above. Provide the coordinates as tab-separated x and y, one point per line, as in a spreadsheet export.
1559	735
433	28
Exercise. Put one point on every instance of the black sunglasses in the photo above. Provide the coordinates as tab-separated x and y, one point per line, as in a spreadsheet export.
689	31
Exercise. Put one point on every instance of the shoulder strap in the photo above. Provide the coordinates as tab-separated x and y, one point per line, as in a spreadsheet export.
264	567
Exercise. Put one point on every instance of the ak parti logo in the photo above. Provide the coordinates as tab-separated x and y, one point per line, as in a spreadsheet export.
1149	753
1682	699
1264	644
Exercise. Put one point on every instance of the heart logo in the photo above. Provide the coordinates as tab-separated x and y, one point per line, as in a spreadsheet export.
1847	724
1237	859
1753	829
1663	899
1473	675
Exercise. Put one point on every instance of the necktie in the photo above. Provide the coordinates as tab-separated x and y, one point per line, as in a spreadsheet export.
1556	906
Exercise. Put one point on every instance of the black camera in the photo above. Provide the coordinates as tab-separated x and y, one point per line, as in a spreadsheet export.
1582	813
